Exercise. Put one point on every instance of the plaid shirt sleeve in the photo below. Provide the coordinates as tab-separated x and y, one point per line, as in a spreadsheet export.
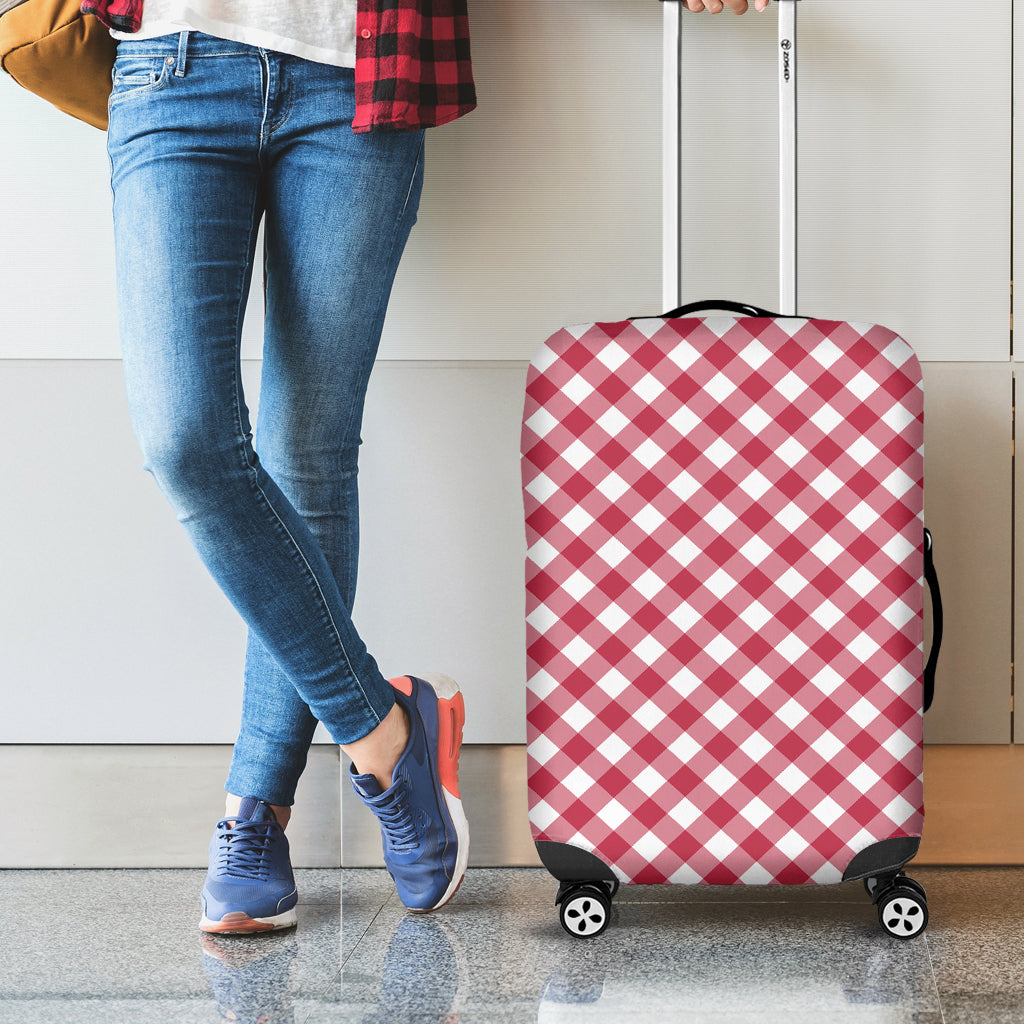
123	15
413	67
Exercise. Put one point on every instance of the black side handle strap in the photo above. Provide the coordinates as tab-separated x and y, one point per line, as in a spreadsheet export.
932	579
725	304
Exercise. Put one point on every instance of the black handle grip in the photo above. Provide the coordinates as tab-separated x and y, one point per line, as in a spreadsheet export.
932	579
726	304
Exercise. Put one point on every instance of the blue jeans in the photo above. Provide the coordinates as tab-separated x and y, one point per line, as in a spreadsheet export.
206	137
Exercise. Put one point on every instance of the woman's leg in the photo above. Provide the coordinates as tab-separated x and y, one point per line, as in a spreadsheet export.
197	153
339	209
188	172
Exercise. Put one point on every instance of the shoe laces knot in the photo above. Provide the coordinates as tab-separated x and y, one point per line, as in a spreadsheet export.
244	848
397	821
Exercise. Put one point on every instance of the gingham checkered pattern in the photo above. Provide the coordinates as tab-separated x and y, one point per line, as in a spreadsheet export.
725	596
413	66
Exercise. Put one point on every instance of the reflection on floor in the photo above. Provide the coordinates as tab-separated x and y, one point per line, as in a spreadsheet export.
122	946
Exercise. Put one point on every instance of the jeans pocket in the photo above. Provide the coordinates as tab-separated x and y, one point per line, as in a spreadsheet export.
135	75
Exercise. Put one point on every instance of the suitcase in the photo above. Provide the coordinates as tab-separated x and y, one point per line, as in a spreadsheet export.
725	601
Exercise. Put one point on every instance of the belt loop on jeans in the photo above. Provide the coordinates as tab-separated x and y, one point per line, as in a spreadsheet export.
179	69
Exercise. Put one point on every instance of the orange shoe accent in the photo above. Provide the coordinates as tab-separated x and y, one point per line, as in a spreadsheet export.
237	922
403	683
451	717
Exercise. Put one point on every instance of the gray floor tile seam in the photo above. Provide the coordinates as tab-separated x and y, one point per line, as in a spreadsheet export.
935	979
335	979
309	1016
316	1001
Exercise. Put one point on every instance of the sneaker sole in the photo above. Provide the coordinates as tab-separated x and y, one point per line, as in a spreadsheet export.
240	923
451	717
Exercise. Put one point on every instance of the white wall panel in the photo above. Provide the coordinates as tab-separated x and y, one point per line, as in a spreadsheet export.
97	794
543	206
904	167
968	507
56	266
57	284
111	631
443	546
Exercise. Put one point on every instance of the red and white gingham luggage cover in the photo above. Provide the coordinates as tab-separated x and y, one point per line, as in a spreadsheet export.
725	596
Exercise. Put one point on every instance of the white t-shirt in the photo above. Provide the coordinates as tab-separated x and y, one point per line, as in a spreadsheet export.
320	30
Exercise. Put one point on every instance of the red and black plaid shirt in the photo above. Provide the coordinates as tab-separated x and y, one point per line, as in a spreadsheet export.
413	68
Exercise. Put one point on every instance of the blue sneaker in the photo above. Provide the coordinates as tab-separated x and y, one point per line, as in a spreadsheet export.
426	836
249	887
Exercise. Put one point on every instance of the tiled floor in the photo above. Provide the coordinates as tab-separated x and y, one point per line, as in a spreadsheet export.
122	946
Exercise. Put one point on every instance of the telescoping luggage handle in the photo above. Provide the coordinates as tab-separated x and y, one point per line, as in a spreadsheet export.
671	141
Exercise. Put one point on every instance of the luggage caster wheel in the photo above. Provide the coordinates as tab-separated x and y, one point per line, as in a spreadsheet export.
911	883
585	912
903	912
872	885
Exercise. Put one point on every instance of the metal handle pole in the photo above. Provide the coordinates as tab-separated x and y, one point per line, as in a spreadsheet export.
787	158
671	260
671	140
